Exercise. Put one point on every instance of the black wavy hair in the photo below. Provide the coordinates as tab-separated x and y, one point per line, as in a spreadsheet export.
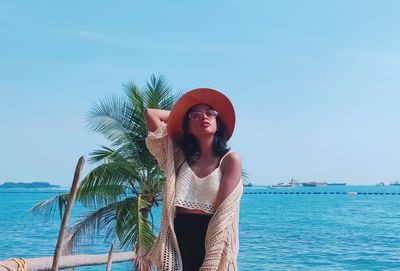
190	145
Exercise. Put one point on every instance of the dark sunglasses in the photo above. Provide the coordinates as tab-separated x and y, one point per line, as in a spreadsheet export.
196	115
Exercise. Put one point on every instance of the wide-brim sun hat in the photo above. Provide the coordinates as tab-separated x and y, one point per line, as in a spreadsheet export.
208	96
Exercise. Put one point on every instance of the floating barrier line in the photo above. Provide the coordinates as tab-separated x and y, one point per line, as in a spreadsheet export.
318	193
32	192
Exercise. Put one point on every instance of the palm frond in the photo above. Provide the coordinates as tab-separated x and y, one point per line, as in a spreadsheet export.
245	176
104	154
86	229
158	93
107	183
124	155
134	96
107	117
152	185
49	207
133	227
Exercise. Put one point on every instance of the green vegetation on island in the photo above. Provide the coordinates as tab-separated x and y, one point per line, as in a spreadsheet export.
28	185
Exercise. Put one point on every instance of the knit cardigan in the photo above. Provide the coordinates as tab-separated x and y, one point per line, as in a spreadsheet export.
222	237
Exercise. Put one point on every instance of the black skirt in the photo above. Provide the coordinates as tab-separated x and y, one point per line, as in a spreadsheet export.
190	230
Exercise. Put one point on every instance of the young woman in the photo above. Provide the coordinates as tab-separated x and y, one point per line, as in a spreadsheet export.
199	223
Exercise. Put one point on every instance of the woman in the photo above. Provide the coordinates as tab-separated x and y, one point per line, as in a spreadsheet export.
199	221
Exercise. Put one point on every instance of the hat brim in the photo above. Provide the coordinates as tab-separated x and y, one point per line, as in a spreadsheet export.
211	97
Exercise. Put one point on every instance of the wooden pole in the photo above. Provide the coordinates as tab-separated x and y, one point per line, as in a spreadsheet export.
70	203
109	261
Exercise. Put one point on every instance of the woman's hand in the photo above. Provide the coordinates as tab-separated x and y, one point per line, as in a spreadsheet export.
154	117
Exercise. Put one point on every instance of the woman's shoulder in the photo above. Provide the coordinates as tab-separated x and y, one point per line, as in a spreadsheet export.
231	159
231	168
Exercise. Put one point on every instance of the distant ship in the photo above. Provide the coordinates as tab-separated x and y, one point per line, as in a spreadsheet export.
283	185
335	184
395	183
312	184
293	183
247	184
380	184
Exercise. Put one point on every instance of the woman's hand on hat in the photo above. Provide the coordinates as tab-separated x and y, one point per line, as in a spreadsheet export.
154	117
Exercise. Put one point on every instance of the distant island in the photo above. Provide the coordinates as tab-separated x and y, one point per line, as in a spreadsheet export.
28	185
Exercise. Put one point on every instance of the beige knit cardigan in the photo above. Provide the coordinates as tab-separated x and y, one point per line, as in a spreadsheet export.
222	237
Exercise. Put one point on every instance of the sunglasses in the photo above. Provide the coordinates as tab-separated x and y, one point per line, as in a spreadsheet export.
197	115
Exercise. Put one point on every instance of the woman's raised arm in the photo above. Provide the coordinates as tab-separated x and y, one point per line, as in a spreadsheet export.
154	117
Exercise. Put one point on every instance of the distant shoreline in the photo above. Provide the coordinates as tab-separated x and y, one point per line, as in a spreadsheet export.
28	185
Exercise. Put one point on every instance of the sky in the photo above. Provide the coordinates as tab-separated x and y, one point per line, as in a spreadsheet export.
315	84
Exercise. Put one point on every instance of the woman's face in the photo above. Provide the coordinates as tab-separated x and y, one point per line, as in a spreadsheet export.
202	120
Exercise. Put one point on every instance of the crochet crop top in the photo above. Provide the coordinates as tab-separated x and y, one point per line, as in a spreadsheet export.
193	192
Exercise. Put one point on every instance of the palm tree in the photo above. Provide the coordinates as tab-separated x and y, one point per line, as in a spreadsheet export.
126	182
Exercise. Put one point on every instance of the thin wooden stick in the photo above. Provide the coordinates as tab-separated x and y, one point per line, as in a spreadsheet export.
109	261
70	203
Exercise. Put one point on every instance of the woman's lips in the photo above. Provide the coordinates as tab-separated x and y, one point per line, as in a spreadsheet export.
205	124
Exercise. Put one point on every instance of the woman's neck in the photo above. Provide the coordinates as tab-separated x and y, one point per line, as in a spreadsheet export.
206	147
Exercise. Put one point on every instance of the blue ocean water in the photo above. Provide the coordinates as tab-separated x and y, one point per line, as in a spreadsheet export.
316	228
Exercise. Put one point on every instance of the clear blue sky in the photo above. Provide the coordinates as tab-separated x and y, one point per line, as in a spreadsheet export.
315	83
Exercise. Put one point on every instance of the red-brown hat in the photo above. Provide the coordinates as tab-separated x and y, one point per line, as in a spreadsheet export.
211	97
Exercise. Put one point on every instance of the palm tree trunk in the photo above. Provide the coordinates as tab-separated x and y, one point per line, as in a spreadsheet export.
109	261
71	199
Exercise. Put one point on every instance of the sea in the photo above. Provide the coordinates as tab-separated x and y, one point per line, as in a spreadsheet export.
306	228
